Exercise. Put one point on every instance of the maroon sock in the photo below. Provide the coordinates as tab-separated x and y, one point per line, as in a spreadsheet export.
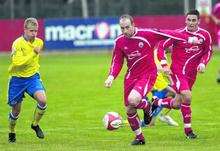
186	113
144	104
134	122
140	137
166	102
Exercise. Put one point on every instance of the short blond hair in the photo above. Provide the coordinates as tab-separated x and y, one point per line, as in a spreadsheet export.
30	23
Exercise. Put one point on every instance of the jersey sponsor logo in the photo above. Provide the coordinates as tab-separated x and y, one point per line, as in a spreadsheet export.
134	55
192	49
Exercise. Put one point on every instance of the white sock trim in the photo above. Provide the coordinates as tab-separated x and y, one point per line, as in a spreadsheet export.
160	102
138	131
132	116
42	108
185	105
187	125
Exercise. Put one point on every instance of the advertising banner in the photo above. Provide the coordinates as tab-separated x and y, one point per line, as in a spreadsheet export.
204	6
92	33
81	33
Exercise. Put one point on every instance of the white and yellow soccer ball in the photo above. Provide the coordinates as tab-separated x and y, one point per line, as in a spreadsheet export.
112	120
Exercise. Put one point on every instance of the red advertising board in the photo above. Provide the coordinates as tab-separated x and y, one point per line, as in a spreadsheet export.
11	29
160	22
165	22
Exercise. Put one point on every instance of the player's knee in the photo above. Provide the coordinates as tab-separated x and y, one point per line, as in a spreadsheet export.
42	99
15	111
176	103
187	99
42	102
40	96
130	109
133	100
176	106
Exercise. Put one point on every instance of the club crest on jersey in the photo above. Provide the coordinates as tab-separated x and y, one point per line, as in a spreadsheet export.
141	44
201	41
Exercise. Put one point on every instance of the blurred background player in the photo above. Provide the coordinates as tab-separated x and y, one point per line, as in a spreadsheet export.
137	47
25	77
215	16
187	59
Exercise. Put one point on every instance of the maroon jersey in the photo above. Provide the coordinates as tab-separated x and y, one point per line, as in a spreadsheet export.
186	57
138	51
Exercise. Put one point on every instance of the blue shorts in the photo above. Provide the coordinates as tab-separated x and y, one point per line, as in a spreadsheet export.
19	85
160	94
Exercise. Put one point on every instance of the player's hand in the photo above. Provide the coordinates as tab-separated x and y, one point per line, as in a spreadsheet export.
37	50
201	68
108	81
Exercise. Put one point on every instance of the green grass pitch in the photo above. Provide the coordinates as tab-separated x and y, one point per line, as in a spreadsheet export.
77	102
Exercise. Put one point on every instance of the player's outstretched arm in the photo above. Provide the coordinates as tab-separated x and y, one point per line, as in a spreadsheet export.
116	65
161	54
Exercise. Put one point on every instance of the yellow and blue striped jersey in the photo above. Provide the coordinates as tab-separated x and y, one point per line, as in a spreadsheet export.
24	61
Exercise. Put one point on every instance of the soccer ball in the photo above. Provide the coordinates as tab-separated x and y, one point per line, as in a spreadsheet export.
112	120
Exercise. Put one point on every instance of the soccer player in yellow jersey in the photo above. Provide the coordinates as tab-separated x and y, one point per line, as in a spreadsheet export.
25	77
161	90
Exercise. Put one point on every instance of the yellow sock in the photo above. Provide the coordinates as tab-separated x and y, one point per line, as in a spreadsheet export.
38	113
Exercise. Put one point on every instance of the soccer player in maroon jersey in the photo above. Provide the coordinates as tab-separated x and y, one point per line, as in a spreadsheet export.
215	16
187	60
137	46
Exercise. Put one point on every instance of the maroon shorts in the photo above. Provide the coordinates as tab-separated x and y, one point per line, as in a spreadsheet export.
143	85
182	82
